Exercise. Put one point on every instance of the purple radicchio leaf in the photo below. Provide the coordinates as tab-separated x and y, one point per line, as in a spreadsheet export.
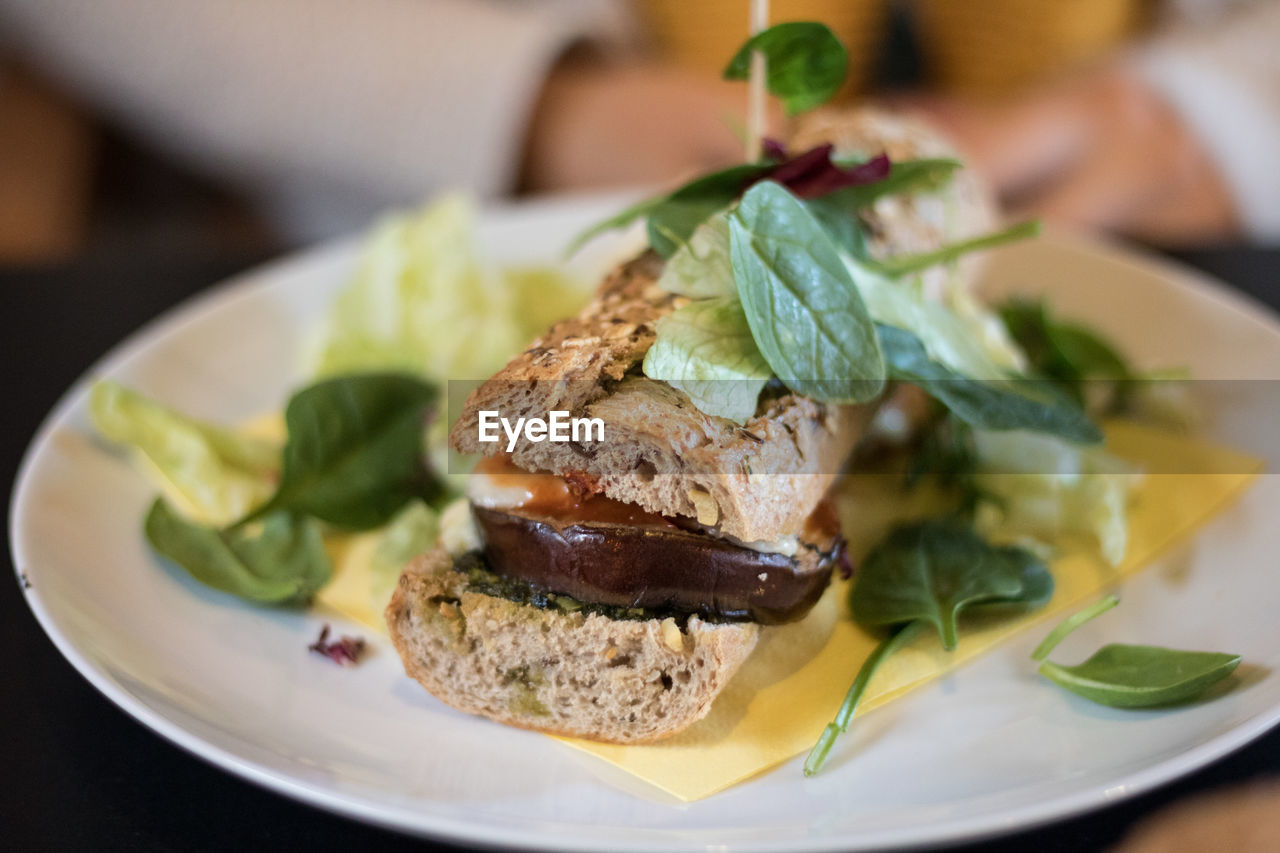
345	651
814	174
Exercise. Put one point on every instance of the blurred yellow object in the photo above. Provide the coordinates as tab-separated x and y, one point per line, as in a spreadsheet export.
980	47
988	47
705	34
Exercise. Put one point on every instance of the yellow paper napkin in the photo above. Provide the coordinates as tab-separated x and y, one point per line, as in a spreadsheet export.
788	690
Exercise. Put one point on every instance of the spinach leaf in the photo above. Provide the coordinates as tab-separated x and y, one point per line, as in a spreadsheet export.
1066	353
926	573
354	455
805	313
807	64
1126	676
996	404
284	562
933	570
841	223
673	219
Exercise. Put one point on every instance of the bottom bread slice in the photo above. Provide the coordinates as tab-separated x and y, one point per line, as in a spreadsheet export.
565	673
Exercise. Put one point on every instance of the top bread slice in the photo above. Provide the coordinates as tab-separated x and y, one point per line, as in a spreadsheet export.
755	482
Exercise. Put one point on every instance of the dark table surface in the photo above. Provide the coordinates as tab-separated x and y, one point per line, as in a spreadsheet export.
76	773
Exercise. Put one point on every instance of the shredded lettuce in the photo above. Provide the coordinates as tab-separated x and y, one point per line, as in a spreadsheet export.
706	350
1049	489
214	474
422	301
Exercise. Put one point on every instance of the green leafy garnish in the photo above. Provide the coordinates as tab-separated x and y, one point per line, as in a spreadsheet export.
994	404
838	726
906	264
423	301
706	350
1063	352
700	268
354	455
218	474
927	573
282	561
673	219
807	64
805	313
1126	676
934	570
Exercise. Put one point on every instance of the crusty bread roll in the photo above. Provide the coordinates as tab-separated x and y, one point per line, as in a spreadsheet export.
756	482
565	673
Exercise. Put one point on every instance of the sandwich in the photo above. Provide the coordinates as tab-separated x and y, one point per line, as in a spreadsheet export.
611	589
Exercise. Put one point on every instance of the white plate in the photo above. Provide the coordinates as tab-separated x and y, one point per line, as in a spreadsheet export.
988	749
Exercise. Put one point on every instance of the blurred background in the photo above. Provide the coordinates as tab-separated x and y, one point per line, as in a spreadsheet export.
250	126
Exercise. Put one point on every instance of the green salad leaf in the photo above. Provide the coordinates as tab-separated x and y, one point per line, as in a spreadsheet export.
933	570
907	264
807	317
706	350
992	404
807	64
897	639
1128	676
279	561
354	455
926	573
218	474
421	301
701	268
673	219
1046	488
1064	352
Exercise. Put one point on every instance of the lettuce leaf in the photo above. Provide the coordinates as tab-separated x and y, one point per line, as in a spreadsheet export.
422	301
706	350
214	474
701	268
1055	491
963	337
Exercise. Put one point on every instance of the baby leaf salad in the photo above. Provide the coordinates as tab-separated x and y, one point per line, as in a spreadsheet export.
363	442
782	284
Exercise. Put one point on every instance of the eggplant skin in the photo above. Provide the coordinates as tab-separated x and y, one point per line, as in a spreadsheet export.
656	568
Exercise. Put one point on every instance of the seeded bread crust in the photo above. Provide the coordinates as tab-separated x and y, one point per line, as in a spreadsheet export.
570	674
756	482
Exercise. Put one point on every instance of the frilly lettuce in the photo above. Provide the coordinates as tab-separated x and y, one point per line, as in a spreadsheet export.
1051	490
706	350
422	301
215	475
701	268
958	333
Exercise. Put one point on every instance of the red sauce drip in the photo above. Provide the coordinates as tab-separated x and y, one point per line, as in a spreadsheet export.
565	501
